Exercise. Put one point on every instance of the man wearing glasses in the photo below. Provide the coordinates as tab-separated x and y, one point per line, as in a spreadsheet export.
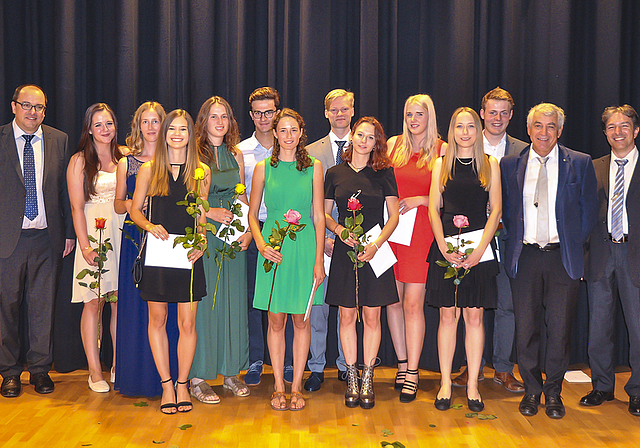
36	231
264	103
339	110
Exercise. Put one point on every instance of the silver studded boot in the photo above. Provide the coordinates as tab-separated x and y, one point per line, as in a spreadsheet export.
367	395
352	395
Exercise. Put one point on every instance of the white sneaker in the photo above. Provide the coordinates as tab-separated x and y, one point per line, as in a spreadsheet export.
99	386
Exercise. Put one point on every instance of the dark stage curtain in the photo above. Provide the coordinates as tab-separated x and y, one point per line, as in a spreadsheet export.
577	54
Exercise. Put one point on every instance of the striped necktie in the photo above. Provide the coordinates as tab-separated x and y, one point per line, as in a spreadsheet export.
617	202
340	144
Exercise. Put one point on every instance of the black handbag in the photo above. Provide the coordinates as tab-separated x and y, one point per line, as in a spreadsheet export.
138	264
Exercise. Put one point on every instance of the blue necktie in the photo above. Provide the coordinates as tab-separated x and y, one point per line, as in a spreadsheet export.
340	144
29	173
618	202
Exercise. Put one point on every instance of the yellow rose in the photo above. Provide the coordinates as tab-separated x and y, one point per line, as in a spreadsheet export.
198	174
240	189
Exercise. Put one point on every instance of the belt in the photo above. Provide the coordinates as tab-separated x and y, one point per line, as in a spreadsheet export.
624	239
548	248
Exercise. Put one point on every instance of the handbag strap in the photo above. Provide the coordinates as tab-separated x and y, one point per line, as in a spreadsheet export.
144	237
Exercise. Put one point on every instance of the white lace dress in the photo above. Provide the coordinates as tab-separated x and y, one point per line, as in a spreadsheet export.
100	206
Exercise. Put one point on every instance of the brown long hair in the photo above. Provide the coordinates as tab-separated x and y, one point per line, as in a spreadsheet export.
302	157
134	140
480	159
160	166
88	149
378	158
231	138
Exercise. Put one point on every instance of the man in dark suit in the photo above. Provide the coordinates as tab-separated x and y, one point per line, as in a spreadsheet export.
549	209
496	111
339	110
36	231
613	258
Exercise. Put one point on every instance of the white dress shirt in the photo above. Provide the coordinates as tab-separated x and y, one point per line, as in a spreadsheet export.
497	151
334	145
529	209
253	152
632	158
40	221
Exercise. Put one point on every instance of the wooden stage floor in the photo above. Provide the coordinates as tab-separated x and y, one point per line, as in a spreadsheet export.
73	416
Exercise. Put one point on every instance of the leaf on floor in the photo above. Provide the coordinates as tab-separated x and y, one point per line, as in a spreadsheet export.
395	444
158	442
386	432
456	406
432	426
480	416
141	404
355	424
183	427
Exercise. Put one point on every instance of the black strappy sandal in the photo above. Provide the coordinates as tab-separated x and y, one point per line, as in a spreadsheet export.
400	376
412	386
184	403
169	406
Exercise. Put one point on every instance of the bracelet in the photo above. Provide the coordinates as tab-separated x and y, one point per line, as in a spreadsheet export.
335	230
374	243
87	247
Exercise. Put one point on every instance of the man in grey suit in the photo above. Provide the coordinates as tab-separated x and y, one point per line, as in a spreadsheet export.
339	110
613	258
36	231
496	111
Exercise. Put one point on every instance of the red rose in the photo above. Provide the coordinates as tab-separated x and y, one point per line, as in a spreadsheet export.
354	204
100	223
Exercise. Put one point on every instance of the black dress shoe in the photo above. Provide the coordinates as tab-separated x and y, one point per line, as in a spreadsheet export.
342	375
554	406
634	405
475	405
442	404
42	383
529	405
11	386
596	398
314	382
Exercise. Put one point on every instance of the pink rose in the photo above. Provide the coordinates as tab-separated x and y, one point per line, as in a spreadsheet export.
292	217
353	204
460	221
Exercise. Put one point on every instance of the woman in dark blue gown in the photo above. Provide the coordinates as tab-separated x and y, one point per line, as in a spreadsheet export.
136	373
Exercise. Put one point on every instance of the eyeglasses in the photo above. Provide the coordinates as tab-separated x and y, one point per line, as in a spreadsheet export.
258	114
28	106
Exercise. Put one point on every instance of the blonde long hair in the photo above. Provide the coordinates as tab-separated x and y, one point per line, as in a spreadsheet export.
428	146
134	139
160	166
480	159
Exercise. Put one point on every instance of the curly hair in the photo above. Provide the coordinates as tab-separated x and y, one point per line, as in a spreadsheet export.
378	158
231	138
302	157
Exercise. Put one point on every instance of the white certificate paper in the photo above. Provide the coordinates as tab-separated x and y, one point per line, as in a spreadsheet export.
384	257
474	236
404	231
162	253
244	221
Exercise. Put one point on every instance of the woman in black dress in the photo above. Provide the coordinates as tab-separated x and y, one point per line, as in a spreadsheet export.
464	181
166	180
368	175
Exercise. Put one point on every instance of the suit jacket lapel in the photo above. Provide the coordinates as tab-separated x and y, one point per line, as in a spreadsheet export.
9	142
603	170
47	156
564	165
522	168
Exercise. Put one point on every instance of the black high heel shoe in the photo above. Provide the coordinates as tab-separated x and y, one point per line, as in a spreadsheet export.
400	376
184	404
411	387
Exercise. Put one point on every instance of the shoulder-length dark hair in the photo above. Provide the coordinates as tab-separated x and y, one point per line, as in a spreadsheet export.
161	167
302	157
88	149
231	138
378	158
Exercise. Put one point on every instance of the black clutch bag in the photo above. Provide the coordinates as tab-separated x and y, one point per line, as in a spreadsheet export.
138	264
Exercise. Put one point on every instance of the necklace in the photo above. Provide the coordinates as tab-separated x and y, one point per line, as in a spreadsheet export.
356	168
464	163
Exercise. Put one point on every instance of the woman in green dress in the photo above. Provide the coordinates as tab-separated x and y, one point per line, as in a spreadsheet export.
223	338
291	180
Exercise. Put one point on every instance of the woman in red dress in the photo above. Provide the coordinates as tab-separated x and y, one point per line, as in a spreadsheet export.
412	155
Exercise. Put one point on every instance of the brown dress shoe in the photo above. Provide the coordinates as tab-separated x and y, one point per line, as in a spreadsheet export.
461	380
508	381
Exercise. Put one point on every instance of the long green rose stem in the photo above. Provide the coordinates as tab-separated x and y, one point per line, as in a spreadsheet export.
273	281
100	265
215	293
356	268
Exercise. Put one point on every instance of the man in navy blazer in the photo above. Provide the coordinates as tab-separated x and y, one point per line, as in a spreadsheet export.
36	231
549	209
613	258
